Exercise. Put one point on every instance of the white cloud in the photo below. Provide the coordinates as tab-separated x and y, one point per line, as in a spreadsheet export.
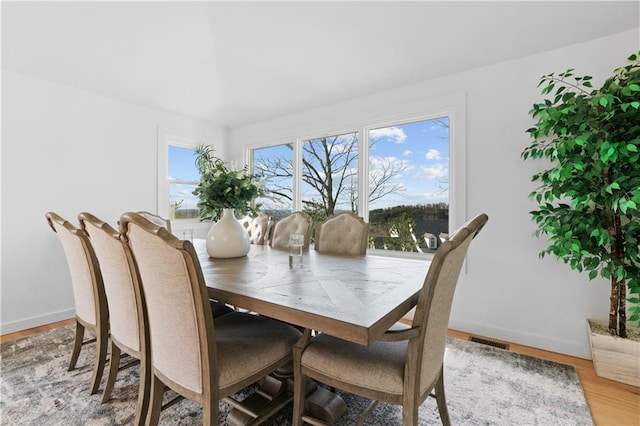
432	172
390	163
398	135
407	152
433	154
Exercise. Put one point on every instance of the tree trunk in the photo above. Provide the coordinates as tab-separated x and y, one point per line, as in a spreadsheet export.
614	299
622	285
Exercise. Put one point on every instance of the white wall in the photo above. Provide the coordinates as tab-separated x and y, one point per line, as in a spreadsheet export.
507	291
67	151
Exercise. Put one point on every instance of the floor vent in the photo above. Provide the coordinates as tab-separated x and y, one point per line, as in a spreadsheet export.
489	343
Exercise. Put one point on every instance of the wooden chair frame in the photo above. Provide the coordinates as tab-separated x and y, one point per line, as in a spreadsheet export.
101	328
157	219
117	347
411	397
211	391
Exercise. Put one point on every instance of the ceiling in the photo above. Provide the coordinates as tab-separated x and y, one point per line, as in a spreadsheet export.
236	63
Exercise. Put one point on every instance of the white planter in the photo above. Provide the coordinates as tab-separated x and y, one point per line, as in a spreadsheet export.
614	358
227	238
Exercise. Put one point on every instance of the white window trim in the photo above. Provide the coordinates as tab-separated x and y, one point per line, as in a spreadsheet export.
166	137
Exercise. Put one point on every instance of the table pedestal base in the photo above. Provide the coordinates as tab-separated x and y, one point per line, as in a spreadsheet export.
274	393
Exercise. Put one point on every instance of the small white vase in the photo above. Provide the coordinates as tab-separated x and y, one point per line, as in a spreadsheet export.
227	238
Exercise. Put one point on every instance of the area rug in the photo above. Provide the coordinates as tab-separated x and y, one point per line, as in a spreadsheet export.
484	385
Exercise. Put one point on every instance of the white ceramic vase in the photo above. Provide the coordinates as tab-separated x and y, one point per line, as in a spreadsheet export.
227	238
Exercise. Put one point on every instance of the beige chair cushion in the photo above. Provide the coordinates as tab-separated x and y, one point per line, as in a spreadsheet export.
258	229
81	280
118	285
246	343
379	366
296	223
345	233
171	309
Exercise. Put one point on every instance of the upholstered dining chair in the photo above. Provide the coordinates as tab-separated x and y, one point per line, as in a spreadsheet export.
199	358
404	365
88	292
344	233
256	227
127	315
158	220
295	223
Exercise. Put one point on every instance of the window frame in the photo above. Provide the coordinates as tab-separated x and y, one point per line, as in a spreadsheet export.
182	139
453	106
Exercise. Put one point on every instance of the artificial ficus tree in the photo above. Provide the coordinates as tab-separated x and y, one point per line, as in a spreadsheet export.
588	199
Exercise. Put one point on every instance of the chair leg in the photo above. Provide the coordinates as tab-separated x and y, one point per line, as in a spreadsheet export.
299	380
298	398
155	403
102	338
143	391
210	412
77	345
441	400
410	414
114	365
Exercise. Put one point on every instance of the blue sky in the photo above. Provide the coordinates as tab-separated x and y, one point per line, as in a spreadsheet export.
421	149
182	167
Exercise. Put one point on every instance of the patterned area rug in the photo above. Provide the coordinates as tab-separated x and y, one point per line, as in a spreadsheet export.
484	385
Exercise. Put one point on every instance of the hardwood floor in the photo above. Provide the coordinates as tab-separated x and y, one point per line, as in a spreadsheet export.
611	403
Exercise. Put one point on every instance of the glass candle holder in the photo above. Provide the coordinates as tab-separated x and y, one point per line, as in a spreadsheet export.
296	242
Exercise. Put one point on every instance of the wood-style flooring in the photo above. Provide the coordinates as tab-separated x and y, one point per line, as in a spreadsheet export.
611	403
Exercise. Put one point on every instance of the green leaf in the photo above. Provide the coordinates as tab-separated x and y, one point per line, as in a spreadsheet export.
634	88
632	148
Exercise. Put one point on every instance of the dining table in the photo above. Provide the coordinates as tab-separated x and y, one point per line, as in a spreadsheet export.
355	298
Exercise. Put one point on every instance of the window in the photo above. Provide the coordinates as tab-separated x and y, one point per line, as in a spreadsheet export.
177	178
409	185
405	197
274	164
183	179
330	175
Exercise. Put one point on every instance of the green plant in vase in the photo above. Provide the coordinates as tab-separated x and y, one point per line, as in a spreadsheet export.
588	198
223	188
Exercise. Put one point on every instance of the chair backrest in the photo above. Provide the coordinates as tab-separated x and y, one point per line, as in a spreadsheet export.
245	221
121	282
158	220
436	297
86	279
180	322
344	233
295	223
256	228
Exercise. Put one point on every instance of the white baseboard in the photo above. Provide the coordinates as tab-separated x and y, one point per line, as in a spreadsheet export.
541	342
24	324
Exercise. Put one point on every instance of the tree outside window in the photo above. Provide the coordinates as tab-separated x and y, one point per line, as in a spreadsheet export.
408	181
